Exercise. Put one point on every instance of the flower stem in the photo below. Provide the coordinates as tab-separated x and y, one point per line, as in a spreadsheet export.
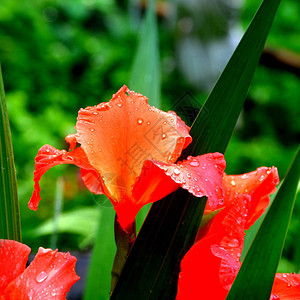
124	238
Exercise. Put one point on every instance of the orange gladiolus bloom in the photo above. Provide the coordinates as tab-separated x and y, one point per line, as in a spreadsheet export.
128	151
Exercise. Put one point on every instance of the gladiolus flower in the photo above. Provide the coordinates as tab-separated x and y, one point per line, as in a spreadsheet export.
128	151
211	265
49	276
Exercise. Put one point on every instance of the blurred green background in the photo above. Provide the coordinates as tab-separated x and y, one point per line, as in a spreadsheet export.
59	56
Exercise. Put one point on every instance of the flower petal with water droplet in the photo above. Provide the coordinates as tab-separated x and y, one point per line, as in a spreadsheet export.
50	272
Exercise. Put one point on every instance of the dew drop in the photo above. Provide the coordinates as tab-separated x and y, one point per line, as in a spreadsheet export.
92	129
95	113
233	182
41	276
148	123
194	164
164	122
284	275
188	175
163	136
120	104
176	171
140	121
233	243
244	176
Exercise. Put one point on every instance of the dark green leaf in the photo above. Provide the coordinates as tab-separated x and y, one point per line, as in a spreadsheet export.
10	227
256	276
151	270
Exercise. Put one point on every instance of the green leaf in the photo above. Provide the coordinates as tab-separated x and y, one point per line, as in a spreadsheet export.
82	221
256	275
152	268
98	281
10	226
145	73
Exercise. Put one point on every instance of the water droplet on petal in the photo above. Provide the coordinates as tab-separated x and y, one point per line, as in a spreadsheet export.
163	136
233	243
194	164
165	122
95	113
176	171
233	183
284	275
92	129
244	176
120	104
140	121
188	175
41	276
148	123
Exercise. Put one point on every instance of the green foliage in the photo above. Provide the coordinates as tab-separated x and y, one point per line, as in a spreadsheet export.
10	227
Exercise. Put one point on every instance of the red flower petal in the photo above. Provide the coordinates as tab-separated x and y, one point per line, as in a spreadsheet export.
120	135
201	176
13	258
50	276
210	266
49	157
286	287
257	184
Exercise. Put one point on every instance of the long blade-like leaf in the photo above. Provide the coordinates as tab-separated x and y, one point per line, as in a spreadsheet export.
147	276
256	276
10	227
145	77
98	281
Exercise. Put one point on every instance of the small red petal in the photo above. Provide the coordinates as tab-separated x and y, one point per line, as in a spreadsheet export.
286	286
201	176
50	276
71	140
257	184
93	181
49	157
118	136
13	258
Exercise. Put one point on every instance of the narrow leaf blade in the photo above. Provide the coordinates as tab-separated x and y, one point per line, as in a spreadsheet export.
256	275
10	227
145	77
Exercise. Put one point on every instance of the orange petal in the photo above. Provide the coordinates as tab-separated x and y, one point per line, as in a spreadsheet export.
286	287
50	276
13	258
201	176
257	184
118	136
49	157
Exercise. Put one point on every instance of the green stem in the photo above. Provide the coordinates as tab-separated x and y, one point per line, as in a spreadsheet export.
124	241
